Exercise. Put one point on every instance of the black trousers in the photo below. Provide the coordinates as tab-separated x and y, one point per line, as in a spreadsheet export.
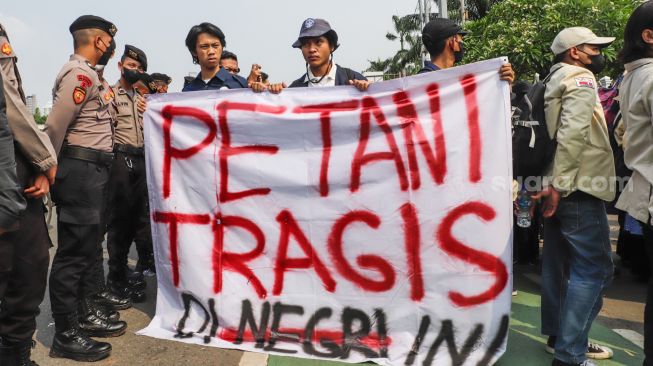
648	310
129	213
79	193
24	260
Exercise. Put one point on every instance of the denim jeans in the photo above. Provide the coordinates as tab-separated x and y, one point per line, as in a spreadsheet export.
576	269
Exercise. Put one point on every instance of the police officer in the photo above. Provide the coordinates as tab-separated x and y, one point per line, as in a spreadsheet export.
443	39
24	253
162	81
129	218
205	43
99	304
79	127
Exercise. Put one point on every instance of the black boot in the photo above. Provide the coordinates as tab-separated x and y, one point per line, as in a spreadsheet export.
88	306
16	354
112	300
70	342
136	280
123	289
95	326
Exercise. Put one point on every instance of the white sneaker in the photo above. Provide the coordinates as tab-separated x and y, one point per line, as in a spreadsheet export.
587	363
598	352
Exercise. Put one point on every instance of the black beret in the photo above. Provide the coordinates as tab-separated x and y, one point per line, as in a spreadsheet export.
93	22
161	77
137	54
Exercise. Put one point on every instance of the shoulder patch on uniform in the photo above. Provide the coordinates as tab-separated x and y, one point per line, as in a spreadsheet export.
6	49
585	82
84	81
79	94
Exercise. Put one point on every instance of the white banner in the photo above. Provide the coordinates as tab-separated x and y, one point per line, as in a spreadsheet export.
332	224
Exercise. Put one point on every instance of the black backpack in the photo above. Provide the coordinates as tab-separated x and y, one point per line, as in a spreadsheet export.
532	147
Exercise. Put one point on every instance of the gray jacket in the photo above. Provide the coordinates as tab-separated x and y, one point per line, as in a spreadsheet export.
636	102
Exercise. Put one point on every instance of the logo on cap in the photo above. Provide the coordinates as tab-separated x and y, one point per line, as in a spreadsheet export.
113	30
133	54
309	23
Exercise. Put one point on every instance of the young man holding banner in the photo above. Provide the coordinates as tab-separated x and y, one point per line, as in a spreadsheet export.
443	39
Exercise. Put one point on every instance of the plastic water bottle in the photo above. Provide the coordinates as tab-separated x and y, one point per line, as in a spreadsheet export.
524	203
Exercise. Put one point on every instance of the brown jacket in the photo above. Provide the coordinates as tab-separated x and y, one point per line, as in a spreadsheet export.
583	160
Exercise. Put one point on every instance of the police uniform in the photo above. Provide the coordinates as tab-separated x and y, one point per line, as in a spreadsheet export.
24	256
79	127
129	217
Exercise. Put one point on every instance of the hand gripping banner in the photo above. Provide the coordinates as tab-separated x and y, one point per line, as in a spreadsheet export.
332	224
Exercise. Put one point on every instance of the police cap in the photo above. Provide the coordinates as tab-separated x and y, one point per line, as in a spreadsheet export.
93	22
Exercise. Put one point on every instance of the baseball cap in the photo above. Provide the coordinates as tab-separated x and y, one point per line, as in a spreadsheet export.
575	36
441	28
315	27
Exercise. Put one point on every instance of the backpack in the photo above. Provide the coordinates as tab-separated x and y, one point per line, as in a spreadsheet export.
532	147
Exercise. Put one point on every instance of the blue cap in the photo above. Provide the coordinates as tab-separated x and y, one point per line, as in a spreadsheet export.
315	28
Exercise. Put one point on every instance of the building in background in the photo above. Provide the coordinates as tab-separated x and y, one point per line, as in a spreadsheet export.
31	103
373	76
47	109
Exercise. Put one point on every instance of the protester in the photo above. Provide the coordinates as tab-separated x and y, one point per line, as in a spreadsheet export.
205	43
576	231
162	82
636	96
229	62
443	39
24	255
80	129
128	204
318	42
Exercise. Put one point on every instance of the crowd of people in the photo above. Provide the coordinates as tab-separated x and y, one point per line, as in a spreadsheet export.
90	157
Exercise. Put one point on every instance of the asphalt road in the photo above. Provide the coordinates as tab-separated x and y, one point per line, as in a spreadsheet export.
622	313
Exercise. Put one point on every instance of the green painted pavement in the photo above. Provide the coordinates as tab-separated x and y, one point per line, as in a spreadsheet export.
525	343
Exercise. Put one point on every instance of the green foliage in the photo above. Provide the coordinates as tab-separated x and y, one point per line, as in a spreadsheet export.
40	119
523	30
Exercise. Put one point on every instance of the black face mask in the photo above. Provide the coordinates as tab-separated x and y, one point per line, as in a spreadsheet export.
598	63
131	76
459	55
104	60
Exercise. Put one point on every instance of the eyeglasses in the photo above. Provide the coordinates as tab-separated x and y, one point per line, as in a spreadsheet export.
233	71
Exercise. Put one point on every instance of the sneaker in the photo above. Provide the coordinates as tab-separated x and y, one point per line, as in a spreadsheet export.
550	345
598	352
515	293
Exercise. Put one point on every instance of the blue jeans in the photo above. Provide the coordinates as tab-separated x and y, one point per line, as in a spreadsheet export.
576	269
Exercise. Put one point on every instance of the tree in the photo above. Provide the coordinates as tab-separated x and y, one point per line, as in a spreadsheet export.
523	30
407	60
38	118
476	9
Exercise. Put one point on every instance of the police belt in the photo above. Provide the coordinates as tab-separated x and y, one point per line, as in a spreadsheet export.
86	154
129	150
